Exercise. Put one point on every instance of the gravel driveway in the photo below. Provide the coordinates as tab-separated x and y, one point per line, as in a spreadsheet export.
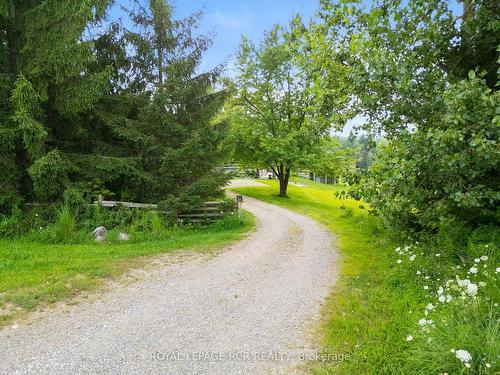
247	310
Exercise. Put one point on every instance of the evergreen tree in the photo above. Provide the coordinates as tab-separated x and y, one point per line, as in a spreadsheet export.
177	137
120	112
45	84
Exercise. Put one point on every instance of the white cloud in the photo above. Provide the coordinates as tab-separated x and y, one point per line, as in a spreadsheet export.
231	19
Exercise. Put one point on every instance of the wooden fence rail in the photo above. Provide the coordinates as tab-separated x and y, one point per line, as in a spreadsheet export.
208	211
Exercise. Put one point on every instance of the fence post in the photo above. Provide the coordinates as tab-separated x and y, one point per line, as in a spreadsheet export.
239	201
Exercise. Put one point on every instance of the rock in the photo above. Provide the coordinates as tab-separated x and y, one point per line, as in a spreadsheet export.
100	239
123	236
99	232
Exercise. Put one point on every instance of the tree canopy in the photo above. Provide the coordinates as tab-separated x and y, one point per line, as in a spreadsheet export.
426	80
277	120
91	106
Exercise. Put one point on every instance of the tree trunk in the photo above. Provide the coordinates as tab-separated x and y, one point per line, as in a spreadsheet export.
284	176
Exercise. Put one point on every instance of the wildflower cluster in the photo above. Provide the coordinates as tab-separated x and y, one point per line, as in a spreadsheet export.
464	287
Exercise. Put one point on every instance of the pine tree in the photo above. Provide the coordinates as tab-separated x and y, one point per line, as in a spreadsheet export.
45	84
178	139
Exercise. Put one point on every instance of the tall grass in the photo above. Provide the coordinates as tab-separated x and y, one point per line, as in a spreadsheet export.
65	225
157	224
377	302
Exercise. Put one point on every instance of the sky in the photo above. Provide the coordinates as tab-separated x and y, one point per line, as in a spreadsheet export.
230	19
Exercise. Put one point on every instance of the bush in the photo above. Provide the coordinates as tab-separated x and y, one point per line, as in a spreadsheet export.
10	225
443	172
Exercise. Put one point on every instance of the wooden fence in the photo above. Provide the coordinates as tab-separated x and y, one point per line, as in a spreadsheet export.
208	211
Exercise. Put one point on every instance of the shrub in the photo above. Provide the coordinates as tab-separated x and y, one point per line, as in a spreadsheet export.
156	224
444	171
10	225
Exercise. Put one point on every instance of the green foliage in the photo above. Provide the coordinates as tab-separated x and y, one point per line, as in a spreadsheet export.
276	118
65	226
409	72
126	112
10	225
49	176
333	159
26	109
447	172
156	223
73	198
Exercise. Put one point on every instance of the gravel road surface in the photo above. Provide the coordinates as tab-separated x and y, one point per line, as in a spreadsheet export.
247	310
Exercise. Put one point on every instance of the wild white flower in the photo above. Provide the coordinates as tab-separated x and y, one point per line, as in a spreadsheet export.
438	254
484	258
463	355
397	249
473	270
399	261
412	258
487	365
409	338
477	260
452	350
430	306
463	282
418	272
495	304
472	289
467	365
497	270
427	277
448	297
482	284
440	290
426	287
423	322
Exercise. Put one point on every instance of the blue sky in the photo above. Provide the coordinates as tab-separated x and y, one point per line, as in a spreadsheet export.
230	19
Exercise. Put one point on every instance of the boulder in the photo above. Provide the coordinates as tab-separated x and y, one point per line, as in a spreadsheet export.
123	236
99	232
100	238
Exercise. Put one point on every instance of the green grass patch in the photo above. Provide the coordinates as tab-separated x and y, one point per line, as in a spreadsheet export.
368	313
33	274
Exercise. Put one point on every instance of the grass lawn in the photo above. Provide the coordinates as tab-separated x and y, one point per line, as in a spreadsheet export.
368	313
34	274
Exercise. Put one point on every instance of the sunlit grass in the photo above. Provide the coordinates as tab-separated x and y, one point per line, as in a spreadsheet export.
33	274
367	314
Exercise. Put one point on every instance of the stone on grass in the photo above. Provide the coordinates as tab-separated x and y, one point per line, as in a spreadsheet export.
123	236
100	239
98	233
